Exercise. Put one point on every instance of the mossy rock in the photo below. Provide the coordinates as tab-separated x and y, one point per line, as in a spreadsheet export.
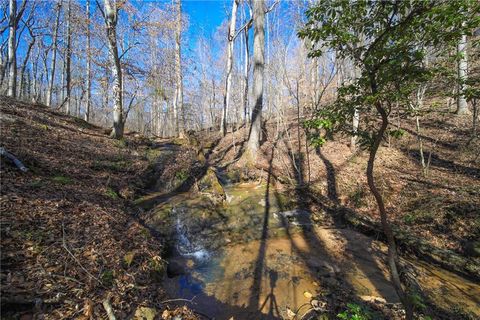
210	184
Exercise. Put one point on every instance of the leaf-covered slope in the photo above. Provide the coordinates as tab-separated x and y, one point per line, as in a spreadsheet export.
67	239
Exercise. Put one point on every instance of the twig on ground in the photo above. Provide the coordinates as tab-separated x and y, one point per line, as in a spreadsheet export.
176	300
108	308
64	244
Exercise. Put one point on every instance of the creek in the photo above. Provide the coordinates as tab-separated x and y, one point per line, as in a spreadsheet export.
257	255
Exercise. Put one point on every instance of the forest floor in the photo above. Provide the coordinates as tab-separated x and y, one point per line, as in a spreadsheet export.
73	238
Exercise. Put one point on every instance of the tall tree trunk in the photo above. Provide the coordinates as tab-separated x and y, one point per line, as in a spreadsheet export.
68	59
54	55
462	106
228	82
35	90
258	69
246	113
89	71
212	105
111	15
24	65
178	110
3	67
12	50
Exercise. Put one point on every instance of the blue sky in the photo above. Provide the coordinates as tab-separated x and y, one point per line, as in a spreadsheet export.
204	18
207	15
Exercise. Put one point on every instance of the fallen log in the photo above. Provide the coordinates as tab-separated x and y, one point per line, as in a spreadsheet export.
10	156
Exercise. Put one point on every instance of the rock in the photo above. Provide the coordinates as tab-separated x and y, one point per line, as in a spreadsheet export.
145	313
210	184
374	299
318	305
296	216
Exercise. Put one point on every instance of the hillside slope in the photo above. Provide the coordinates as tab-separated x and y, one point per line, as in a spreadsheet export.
68	241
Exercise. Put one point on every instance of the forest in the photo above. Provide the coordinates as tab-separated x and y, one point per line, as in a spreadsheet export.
240	159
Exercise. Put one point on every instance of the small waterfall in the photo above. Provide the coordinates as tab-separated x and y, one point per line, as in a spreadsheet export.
186	246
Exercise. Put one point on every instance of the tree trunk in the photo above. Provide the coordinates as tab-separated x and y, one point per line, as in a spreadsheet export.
246	113
12	50
462	107
89	72
228	82
178	105
356	114
392	248
258	69
54	55
24	65
68	59
355	122
111	13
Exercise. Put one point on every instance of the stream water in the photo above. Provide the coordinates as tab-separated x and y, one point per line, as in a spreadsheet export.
258	256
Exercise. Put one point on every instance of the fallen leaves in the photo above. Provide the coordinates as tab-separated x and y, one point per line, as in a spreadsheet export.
42	261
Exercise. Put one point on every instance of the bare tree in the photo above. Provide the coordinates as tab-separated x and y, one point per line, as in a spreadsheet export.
246	69
68	59
228	82
12	48
258	69
88	70
54	54
29	24
111	18
178	101
462	107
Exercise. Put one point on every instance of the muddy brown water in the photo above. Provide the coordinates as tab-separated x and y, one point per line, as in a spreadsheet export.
261	256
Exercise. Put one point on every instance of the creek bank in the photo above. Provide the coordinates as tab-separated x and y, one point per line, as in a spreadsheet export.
468	266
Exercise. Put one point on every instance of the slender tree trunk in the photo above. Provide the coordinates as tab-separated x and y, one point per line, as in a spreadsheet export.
228	82
246	113
68	59
12	50
356	114
3	67
111	14
24	65
355	123
178	104
212	105
34	67
462	107
258	69
54	55
89	71
392	248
